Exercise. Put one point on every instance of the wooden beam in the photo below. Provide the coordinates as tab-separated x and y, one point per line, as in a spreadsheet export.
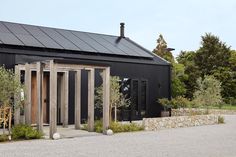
17	98
53	99
39	96
91	100
27	107
106	98
65	99
77	99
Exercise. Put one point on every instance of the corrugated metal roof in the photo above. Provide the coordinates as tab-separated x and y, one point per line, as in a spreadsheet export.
53	38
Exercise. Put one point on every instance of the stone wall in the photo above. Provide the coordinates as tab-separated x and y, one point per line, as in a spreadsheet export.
153	124
197	111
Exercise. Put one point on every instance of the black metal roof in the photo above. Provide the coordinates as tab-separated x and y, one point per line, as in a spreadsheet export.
15	34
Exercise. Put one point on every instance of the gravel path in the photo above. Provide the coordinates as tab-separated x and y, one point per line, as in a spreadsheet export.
202	141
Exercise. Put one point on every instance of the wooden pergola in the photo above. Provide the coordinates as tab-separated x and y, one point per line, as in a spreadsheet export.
54	67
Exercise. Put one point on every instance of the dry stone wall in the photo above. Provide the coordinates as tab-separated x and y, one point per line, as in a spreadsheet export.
154	124
196	111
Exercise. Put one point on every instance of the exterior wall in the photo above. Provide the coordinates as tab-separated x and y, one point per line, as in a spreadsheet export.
158	77
154	124
193	111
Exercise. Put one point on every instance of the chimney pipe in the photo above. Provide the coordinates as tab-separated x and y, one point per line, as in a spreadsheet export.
122	30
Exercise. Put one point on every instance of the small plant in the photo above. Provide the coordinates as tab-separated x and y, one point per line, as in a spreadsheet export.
25	132
221	120
98	126
3	138
118	127
178	102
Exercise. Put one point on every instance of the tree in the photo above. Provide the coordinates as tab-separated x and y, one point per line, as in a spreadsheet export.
9	86
178	77
212	54
162	51
215	58
117	99
191	71
208	92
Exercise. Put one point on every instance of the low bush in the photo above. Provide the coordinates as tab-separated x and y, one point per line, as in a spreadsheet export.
25	132
115	127
118	127
221	120
3	138
178	102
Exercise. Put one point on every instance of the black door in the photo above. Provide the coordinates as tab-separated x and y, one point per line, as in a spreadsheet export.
139	98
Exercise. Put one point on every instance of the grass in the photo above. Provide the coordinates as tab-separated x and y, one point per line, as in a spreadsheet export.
224	107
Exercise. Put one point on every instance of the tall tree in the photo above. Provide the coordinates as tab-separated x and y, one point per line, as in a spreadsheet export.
212	54
191	71
213	58
162	49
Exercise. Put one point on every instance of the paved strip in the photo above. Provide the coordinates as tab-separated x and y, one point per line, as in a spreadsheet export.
202	141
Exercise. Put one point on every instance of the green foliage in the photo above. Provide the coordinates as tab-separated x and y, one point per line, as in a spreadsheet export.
117	99
9	85
221	120
98	126
3	138
116	127
25	132
208	92
177	102
178	78
212	54
129	127
162	51
191	72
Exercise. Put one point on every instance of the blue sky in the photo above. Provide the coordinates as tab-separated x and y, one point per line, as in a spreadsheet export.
181	22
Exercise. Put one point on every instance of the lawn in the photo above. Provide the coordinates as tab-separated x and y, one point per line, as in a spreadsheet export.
225	107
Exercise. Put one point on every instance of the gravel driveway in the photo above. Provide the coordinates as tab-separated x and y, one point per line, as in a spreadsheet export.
202	141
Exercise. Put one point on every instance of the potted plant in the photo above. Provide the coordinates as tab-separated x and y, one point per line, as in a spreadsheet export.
166	104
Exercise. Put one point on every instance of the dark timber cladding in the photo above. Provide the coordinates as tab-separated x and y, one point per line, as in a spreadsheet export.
144	77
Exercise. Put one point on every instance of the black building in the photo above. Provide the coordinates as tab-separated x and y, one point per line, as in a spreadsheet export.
144	76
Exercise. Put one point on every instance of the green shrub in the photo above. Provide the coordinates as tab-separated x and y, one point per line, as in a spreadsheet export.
118	127
177	102
115	127
3	138
221	120
25	132
98	126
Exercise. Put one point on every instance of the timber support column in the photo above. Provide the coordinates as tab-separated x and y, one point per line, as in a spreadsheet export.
17	98
64	98
77	99
27	106
53	99
39	96
91	100
106	98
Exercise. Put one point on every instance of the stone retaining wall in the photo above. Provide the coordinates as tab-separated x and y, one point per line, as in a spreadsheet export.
197	111
153	124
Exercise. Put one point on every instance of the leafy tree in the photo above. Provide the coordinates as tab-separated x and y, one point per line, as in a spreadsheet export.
117	99
215	58
191	71
208	92
212	54
9	86
162	50
178	77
